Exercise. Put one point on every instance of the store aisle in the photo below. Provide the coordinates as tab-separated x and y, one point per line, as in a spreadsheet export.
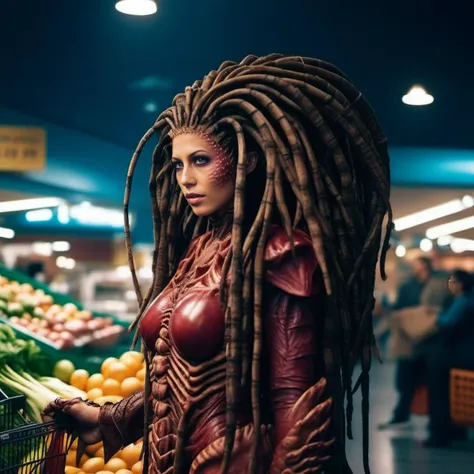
401	452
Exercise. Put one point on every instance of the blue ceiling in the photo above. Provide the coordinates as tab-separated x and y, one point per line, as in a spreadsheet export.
84	65
85	72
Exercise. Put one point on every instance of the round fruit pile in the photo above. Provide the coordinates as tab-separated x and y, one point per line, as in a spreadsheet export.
118	378
126	461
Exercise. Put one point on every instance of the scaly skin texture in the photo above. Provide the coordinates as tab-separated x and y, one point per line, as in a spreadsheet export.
184	330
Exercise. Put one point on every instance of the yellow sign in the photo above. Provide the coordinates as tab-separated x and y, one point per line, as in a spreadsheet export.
22	148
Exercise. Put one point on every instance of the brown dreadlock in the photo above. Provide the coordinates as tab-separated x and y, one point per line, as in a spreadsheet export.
322	149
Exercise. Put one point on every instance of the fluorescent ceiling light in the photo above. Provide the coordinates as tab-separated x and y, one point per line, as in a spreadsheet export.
433	213
137	7
39	215
417	95
450	228
61	246
6	233
462	245
28	204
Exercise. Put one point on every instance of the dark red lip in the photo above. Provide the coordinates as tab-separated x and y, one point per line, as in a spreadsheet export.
193	195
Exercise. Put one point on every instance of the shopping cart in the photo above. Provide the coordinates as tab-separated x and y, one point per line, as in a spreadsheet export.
27	447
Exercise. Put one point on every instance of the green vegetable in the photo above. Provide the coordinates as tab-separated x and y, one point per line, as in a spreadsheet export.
63	370
15	309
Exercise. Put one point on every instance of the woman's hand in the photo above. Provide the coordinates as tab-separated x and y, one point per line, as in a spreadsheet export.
77	416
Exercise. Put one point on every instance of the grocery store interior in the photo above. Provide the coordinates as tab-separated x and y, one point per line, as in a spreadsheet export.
82	82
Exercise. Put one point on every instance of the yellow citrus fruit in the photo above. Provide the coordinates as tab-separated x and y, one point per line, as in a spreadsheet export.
83	460
79	379
141	374
134	355
94	393
105	366
118	371
99	453
95	381
130	454
115	464
131	362
71	457
124	471
130	386
71	470
105	472
93	465
111	387
93	448
138	468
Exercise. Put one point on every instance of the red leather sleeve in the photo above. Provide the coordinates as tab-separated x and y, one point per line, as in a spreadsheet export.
291	351
121	423
295	274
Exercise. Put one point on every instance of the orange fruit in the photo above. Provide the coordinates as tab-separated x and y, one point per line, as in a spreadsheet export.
141	374
130	454
124	471
99	453
94	393
79	379
130	386
133	354
106	364
95	381
71	457
111	387
93	465
115	464
93	448
132	362
138	468
72	470
119	371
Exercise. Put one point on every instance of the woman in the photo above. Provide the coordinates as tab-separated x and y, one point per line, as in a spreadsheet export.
269	186
450	348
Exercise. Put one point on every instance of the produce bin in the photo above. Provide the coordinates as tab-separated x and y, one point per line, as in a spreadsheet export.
87	357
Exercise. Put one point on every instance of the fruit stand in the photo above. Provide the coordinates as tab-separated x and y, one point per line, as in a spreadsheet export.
60	326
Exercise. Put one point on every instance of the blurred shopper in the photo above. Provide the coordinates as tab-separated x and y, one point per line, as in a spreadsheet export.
452	347
418	301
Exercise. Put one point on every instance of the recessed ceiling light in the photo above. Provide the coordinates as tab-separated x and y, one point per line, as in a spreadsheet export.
150	107
417	95
137	7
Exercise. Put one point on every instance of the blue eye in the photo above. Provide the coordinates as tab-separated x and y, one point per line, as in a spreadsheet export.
201	160
177	165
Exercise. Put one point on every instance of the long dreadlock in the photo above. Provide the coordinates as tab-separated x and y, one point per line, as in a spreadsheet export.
323	150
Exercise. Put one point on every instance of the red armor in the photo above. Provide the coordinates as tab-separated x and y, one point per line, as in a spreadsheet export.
183	330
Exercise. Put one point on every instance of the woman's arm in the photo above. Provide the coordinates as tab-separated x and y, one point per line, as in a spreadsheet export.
121	423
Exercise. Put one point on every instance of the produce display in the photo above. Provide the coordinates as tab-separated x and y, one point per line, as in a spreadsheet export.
118	379
62	326
23	370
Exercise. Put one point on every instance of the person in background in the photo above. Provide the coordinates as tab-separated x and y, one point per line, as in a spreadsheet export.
452	347
424	282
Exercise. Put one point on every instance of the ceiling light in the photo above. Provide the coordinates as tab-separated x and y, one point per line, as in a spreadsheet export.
462	245
444	240
400	251
61	246
450	228
417	95
39	215
426	245
150	107
6	233
433	213
137	7
28	204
